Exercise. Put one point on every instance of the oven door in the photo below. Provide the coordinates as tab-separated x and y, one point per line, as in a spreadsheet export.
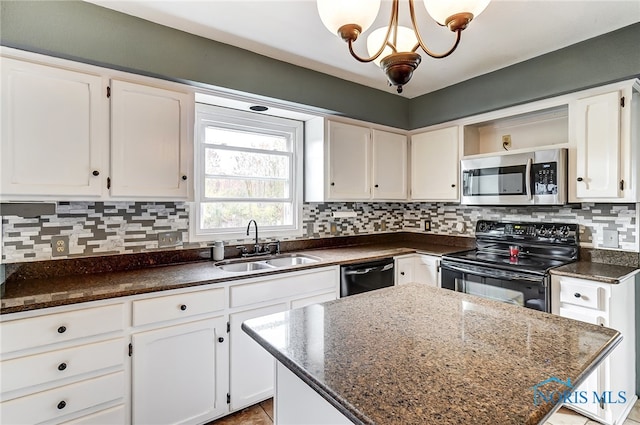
510	287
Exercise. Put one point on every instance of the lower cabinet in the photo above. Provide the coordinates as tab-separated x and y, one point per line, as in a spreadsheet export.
608	394
419	268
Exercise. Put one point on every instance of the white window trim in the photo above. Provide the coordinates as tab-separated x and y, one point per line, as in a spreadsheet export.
248	118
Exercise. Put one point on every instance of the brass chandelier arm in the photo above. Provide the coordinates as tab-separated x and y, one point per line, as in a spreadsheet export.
393	23
423	45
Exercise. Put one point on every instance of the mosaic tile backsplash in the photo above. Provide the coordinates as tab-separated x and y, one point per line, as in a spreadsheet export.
103	228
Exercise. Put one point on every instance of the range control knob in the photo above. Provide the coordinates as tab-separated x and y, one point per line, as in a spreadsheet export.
483	227
564	230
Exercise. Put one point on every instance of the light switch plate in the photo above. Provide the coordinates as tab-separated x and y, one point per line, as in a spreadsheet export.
169	239
610	239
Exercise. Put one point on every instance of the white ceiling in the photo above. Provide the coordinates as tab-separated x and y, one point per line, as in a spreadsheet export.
508	32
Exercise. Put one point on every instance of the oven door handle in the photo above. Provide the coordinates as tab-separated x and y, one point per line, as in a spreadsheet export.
527	178
484	272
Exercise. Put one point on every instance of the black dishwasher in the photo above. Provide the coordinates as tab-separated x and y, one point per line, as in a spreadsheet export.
363	277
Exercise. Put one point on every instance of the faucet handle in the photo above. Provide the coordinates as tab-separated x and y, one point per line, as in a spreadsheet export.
276	244
242	249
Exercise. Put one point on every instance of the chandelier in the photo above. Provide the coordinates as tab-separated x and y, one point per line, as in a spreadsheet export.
394	47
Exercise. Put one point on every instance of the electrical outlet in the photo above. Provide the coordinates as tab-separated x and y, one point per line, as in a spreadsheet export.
610	238
383	225
427	225
506	141
168	239
59	246
333	229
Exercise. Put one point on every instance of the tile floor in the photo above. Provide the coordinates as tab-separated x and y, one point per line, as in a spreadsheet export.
262	414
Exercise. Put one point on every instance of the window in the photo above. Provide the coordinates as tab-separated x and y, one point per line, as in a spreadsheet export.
248	166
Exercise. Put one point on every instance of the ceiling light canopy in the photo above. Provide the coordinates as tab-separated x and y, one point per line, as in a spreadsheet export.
394	47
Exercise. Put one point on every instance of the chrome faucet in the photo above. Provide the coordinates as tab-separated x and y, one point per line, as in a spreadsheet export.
256	248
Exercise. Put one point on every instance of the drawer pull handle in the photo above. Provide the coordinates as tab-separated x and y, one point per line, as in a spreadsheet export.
577	295
402	273
221	339
183	307
62	366
62	405
62	329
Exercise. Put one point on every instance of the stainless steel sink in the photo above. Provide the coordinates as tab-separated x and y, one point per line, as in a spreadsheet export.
266	263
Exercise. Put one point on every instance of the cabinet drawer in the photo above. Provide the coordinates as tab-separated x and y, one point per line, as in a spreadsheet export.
52	404
28	371
576	292
52	328
177	306
314	299
115	415
284	286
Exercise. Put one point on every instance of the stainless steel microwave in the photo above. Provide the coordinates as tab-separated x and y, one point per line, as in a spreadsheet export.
531	178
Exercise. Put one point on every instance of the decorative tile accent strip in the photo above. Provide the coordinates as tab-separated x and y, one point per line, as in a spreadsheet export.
104	228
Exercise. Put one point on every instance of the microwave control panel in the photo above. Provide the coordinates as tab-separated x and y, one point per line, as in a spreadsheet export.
545	178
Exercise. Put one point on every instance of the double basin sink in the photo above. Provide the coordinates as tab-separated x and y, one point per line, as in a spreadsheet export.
265	263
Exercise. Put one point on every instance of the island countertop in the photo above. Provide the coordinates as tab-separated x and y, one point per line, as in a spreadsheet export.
414	354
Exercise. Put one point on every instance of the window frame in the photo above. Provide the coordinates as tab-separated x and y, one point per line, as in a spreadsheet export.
222	117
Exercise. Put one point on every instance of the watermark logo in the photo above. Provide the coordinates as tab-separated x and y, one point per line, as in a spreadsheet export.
566	394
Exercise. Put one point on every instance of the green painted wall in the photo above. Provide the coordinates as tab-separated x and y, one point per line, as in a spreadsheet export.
89	33
611	57
92	34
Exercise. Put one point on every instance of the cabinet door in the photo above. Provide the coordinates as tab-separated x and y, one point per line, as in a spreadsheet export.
54	132
349	158
179	373
389	165
434	165
598	171
426	270
404	270
251	366
150	154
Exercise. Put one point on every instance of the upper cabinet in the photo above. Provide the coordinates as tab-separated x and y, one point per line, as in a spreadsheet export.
435	165
69	132
346	162
603	156
150	146
54	132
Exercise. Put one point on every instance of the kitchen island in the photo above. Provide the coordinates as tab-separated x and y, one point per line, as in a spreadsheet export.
414	354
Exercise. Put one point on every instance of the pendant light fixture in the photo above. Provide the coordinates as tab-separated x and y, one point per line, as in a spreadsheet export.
394	47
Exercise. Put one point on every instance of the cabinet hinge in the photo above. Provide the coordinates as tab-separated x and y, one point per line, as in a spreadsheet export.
130	349
228	327
108	92
228	398
621	184
108	182
622	102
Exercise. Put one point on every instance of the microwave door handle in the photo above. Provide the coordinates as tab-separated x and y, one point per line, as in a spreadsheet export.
528	178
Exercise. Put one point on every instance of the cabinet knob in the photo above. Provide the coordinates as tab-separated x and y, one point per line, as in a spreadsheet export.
375	185
402	273
96	173
62	405
577	295
580	179
333	184
62	329
183	307
453	185
221	339
184	177
62	366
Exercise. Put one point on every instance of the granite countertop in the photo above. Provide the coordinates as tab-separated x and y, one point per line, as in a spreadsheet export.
606	273
420	355
31	294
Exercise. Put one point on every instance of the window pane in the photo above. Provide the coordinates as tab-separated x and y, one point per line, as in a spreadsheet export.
237	214
222	136
246	188
247	164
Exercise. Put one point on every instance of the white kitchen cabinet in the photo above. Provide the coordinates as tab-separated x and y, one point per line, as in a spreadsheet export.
75	131
179	373
347	162
150	141
603	156
435	165
420	268
251	366
179	353
62	366
613	306
54	132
